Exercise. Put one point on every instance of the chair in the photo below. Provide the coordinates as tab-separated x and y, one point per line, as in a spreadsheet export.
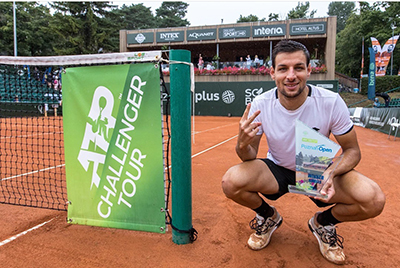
356	116
393	125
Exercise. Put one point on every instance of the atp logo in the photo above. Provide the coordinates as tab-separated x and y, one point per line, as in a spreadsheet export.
97	134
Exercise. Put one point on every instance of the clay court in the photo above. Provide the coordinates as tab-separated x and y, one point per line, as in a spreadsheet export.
221	224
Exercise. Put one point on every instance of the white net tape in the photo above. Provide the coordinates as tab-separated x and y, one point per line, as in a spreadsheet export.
83	59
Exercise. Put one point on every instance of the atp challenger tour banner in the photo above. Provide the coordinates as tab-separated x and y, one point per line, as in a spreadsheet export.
113	146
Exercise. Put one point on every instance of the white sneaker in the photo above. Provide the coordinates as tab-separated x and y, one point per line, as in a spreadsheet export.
263	230
330	243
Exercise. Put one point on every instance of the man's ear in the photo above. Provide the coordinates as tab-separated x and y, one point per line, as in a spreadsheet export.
272	73
309	70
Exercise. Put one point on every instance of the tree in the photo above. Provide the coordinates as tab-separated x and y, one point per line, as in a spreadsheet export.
127	17
33	35
342	10
273	17
171	14
348	47
133	17
373	21
79	27
249	18
6	29
300	12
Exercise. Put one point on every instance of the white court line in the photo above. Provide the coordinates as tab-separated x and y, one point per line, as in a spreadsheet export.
32	172
212	147
23	233
208	149
40	225
198	132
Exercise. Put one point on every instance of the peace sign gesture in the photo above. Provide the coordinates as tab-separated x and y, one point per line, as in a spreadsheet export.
248	140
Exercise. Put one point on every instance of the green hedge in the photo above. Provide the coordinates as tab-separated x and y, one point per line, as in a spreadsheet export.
383	83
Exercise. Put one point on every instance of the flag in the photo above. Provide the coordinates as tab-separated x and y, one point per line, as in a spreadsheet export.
383	54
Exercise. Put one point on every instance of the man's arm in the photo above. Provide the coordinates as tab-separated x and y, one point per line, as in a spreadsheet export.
248	140
351	156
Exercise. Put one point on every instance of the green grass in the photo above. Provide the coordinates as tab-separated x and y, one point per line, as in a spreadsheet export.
351	98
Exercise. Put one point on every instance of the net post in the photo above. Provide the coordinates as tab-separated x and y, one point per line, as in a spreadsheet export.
181	168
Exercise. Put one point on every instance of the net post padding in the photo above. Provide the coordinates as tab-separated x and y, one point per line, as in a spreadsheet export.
181	196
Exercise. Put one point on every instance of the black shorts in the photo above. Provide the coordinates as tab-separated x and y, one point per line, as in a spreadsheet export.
285	177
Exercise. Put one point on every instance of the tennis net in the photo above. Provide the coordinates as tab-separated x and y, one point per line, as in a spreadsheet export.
32	164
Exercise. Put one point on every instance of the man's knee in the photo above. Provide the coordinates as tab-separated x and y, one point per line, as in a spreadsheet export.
230	182
227	184
374	201
378	202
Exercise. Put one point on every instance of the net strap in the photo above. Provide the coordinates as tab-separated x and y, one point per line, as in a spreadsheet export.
192	88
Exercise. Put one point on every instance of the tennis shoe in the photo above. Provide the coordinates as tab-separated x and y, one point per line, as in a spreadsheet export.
330	243
263	230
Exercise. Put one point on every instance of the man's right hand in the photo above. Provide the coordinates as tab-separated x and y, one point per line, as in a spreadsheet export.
247	134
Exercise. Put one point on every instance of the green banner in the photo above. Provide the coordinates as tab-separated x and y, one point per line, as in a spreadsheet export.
371	74
113	146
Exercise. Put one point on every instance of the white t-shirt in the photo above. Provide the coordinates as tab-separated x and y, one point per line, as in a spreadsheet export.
323	110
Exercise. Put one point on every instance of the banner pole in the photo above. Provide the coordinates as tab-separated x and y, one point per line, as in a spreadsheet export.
181	168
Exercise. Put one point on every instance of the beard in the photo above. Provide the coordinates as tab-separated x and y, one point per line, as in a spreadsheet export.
293	95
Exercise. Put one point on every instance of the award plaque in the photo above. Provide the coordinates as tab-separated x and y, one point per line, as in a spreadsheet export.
314	154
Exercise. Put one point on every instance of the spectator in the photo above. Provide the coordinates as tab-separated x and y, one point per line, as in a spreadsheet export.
256	61
55	83
376	103
201	63
241	64
385	96
248	61
49	79
36	74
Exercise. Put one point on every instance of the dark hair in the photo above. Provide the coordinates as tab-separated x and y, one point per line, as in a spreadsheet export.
289	46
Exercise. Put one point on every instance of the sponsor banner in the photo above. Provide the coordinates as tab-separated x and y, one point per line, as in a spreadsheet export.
379	118
231	98
166	37
371	74
234	32
269	30
307	28
113	146
201	34
226	98
383	54
140	38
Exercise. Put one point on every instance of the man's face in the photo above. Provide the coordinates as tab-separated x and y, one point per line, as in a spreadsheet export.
291	73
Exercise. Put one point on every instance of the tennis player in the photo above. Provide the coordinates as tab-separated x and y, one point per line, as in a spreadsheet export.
351	195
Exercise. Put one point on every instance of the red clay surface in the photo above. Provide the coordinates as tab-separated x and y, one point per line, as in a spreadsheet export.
222	225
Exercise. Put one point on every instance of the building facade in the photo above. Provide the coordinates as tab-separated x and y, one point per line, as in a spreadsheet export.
227	43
